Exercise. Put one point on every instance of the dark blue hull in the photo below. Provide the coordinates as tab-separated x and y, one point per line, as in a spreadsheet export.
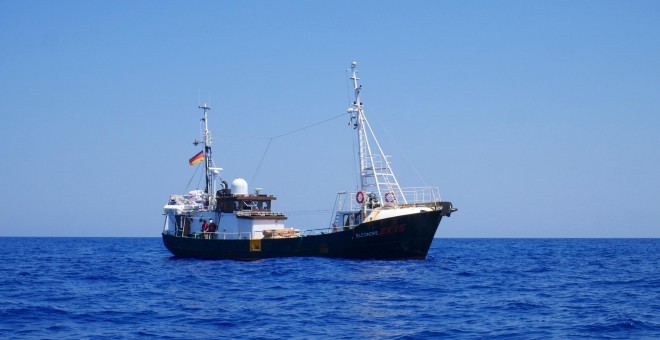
401	237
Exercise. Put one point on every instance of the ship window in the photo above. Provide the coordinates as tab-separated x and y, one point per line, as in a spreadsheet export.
267	205
249	205
356	218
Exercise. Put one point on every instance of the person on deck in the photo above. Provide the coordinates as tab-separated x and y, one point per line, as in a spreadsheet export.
212	228
205	228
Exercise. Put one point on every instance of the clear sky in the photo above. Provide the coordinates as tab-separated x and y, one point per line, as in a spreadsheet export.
535	118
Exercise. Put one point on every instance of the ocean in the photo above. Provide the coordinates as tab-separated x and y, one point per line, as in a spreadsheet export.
72	288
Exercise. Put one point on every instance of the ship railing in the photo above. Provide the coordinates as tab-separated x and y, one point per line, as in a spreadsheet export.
317	231
414	196
246	235
421	196
258	213
222	235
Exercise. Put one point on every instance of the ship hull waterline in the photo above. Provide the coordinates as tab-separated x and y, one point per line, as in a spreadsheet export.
400	237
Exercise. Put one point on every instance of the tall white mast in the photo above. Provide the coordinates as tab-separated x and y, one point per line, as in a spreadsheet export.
376	175
207	150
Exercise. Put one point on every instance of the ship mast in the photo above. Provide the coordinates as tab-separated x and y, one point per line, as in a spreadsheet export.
207	150
376	175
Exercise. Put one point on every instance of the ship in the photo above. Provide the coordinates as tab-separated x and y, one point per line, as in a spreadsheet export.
378	219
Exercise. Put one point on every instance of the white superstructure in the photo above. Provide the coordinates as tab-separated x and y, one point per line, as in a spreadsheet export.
228	213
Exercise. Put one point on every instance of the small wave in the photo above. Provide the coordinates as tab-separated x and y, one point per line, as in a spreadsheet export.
58	328
523	306
32	312
621	326
539	270
426	335
629	282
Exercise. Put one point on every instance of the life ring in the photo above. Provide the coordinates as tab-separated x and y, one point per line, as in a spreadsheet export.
390	197
359	197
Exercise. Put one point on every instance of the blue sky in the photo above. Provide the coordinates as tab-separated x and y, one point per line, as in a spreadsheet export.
535	118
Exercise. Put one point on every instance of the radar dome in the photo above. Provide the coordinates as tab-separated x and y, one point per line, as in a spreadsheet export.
239	187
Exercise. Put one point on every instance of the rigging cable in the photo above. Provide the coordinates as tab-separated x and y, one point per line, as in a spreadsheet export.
394	140
270	140
308	126
306	212
263	156
191	178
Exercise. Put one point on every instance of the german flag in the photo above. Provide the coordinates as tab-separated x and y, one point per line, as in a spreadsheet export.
197	158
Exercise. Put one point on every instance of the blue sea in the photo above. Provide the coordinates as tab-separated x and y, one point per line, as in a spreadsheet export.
72	288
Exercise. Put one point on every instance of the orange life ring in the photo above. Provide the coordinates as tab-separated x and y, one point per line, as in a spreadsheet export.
359	197
390	197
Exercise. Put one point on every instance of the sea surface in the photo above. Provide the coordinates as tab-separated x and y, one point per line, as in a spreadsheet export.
72	288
